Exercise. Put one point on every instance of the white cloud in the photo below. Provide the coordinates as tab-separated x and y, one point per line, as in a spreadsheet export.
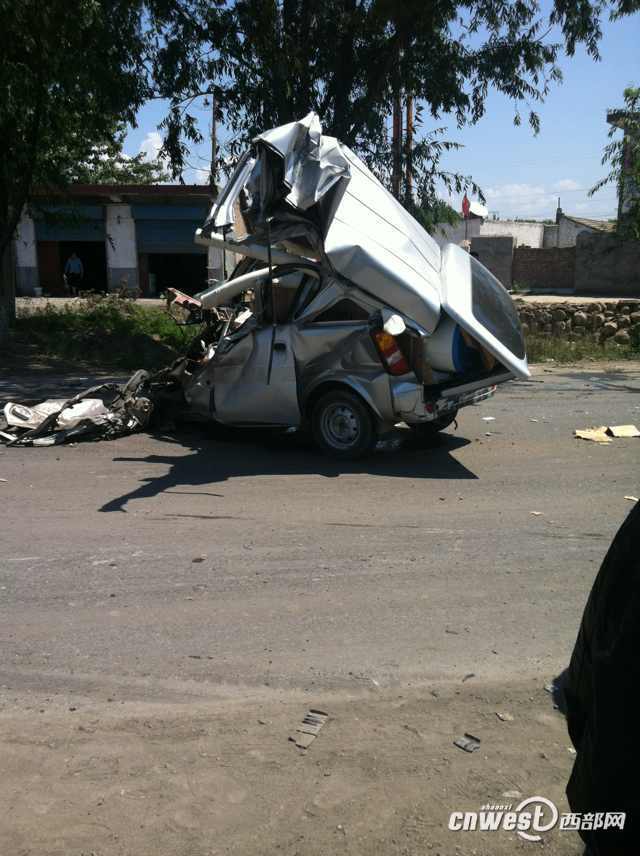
513	191
539	201
521	200
566	184
151	145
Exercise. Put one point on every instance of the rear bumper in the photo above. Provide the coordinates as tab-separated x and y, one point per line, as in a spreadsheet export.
426	409
443	405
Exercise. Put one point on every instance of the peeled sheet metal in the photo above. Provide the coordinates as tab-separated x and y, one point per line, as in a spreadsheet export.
309	197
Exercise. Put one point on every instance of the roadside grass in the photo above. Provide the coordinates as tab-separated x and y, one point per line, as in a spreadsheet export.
111	332
117	333
542	349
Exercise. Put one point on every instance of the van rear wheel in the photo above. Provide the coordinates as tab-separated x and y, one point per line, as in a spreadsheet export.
343	426
427	432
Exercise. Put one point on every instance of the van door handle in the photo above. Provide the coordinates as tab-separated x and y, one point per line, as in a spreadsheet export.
279	346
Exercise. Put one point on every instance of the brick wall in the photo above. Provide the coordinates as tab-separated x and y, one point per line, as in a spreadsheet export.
496	254
607	265
552	267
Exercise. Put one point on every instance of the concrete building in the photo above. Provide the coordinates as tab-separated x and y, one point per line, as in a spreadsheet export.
133	238
525	233
567	228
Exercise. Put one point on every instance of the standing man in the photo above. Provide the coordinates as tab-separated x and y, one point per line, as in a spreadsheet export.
74	272
602	700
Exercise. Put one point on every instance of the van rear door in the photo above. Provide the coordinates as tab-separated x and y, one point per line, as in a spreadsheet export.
482	306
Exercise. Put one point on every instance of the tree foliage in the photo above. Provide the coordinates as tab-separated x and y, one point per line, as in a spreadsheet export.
108	164
622	157
68	75
271	61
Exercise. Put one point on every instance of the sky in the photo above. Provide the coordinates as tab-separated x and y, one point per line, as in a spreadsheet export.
521	175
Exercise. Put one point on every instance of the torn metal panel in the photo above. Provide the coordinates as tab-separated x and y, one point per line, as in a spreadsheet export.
121	409
308	196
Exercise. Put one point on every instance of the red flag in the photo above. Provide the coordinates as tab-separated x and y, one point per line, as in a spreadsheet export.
466	205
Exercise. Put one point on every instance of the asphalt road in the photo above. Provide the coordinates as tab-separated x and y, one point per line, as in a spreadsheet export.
163	565
170	607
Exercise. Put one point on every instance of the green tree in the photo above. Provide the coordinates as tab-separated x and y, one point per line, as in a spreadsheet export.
271	61
108	164
68	75
622	156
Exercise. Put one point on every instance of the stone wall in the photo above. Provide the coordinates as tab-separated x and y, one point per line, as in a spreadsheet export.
618	320
604	264
552	267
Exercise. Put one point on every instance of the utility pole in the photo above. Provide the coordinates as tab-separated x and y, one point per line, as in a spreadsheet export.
216	256
409	150
214	149
396	145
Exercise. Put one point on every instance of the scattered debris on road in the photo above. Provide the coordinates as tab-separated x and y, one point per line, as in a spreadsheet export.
623	431
596	435
488	418
468	743
537	513
632	498
604	433
307	732
504	717
104	412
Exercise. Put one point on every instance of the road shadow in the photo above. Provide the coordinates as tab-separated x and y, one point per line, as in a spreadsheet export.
210	460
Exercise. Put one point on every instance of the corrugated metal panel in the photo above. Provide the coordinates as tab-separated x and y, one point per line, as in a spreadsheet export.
168	236
71	223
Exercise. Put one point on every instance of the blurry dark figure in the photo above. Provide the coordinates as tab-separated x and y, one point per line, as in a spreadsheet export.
74	272
602	694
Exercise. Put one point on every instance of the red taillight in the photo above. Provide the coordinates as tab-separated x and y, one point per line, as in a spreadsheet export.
392	357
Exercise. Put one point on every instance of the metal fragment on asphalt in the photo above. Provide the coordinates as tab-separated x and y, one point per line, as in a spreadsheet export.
308	730
468	743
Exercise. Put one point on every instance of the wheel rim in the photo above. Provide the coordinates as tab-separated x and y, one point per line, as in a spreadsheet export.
340	426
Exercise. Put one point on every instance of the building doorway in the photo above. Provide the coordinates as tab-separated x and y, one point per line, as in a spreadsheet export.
93	256
53	255
184	271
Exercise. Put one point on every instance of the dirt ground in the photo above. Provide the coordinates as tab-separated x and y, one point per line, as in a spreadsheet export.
202	778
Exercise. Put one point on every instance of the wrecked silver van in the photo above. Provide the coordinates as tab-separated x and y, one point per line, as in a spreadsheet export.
344	315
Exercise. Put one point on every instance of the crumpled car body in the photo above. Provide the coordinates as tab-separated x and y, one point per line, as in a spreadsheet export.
341	298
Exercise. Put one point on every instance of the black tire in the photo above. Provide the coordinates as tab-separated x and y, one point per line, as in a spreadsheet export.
343	426
427	432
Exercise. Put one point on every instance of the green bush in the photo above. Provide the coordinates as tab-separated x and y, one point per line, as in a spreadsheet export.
542	348
112	332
